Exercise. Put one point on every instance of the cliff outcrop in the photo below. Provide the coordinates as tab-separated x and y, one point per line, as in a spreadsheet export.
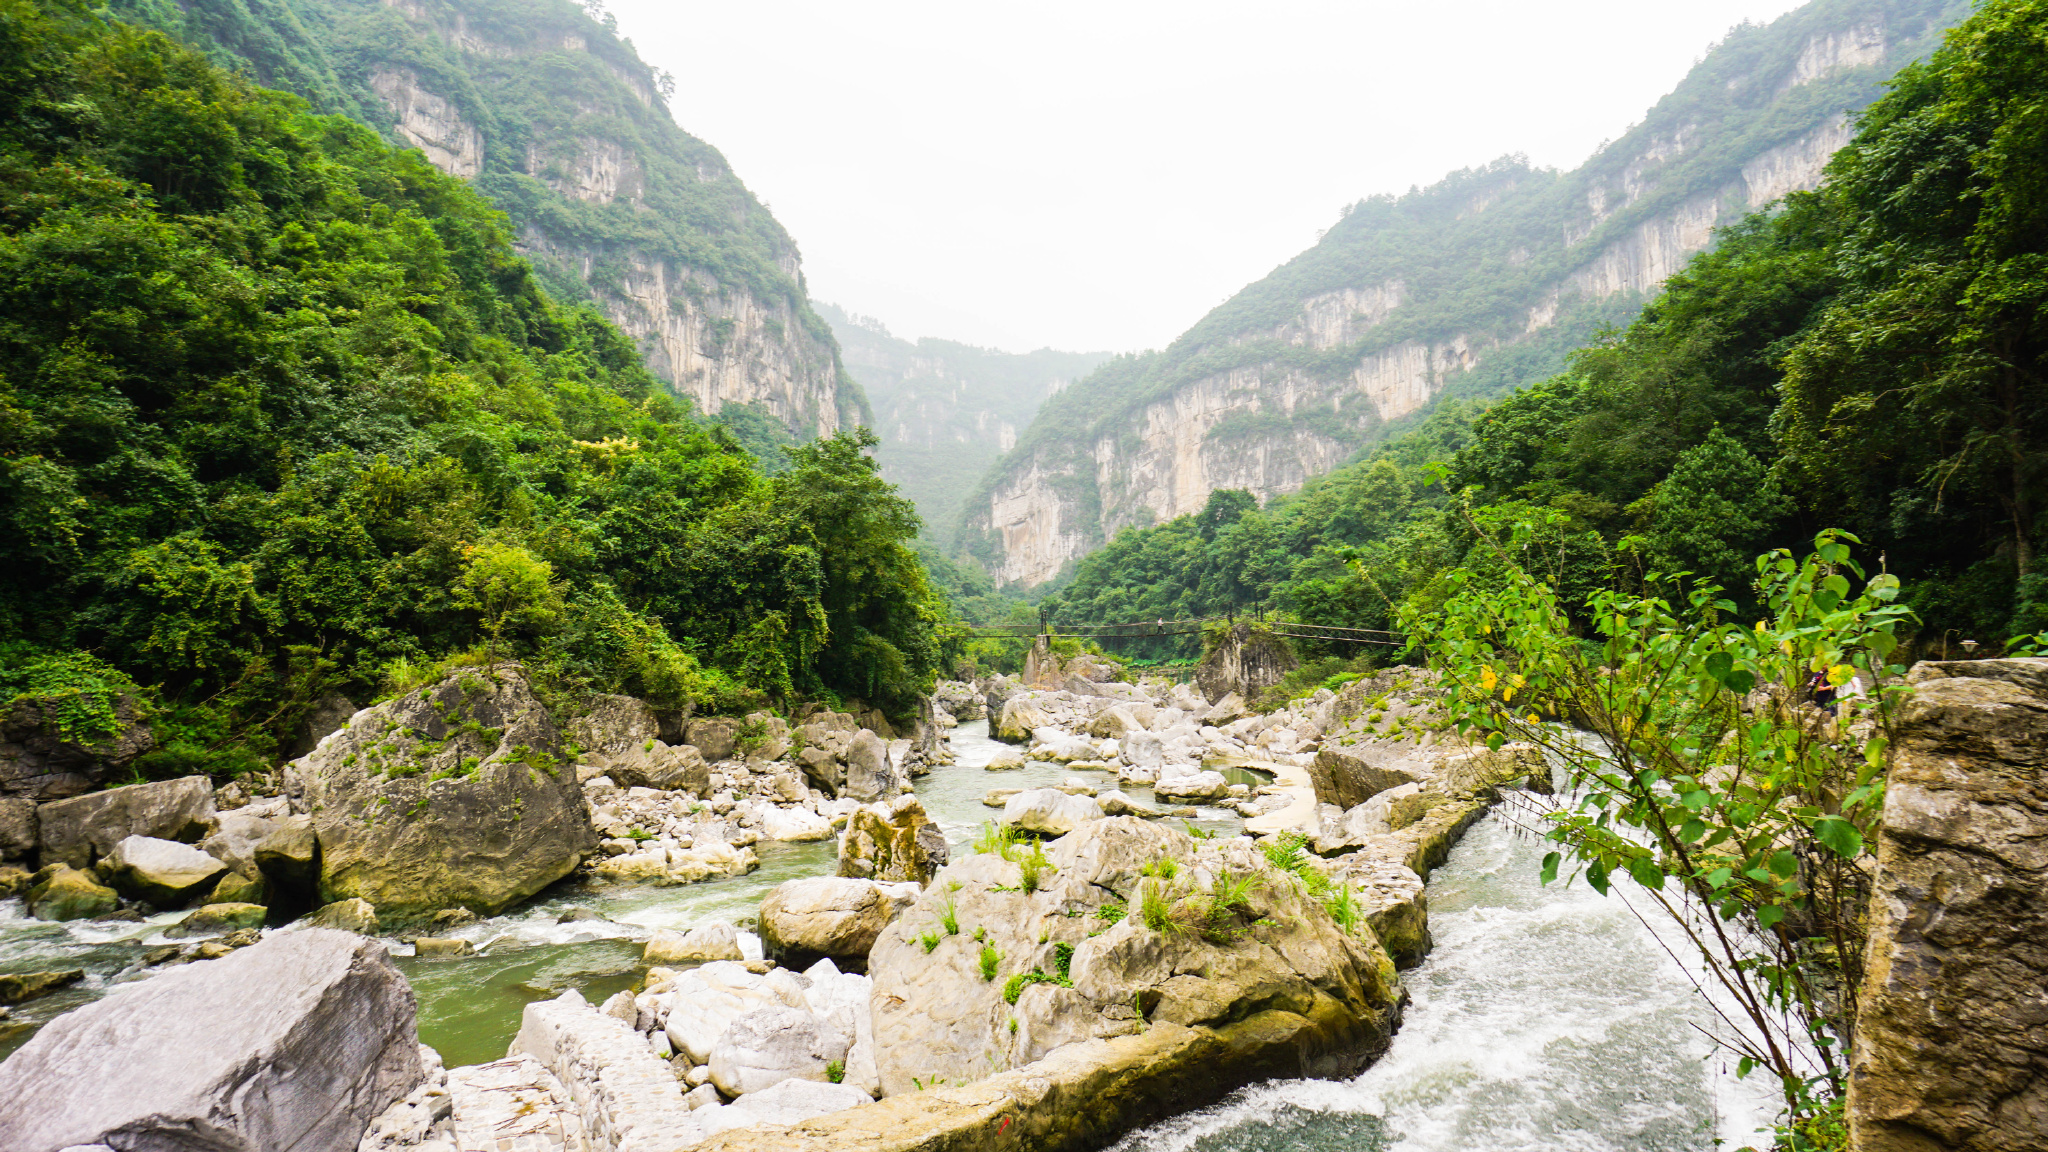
1470	287
1951	1052
558	121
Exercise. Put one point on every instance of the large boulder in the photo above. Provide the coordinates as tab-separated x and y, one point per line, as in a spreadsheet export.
610	725
295	1042
827	917
43	758
677	768
66	893
717	737
1348	778
870	776
769	1045
1049	811
85	828
1327	998
1020	715
456	795
328	715
163	872
697	946
1192	786
704	1003
628	1098
239	832
892	841
1951	1049
1248	660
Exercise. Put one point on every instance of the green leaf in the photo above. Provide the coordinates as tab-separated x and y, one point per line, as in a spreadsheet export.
1719	877
1769	915
1840	836
1782	863
1550	863
1697	800
1691	831
1646	873
1596	875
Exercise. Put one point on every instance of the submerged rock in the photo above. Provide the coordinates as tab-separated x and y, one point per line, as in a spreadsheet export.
67	893
220	919
16	987
296	1042
1049	811
456	795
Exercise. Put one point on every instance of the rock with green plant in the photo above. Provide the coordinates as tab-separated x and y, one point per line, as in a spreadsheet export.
893	841
456	794
1119	926
54	746
61	892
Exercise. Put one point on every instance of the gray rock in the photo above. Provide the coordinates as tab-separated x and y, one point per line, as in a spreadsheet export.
328	715
456	795
803	921
1005	759
703	1095
351	915
236	837
788	1102
767	1046
698	945
1049	811
296	1042
17	828
869	774
39	761
83	829
1115	803
1192	786
717	737
614	724
628	1097
163	872
289	856
677	768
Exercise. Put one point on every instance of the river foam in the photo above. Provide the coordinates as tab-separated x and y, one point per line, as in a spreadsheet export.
1546	1018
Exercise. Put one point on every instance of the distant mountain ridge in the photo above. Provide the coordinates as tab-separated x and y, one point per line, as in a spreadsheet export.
1473	286
945	409
548	112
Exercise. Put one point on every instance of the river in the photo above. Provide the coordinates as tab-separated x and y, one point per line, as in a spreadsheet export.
1546	1019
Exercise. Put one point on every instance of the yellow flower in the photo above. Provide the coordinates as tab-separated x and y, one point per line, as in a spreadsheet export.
1486	678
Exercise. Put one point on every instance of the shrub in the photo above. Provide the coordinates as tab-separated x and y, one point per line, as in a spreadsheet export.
990	961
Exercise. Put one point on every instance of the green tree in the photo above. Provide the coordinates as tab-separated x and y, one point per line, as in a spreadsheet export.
510	589
1712	513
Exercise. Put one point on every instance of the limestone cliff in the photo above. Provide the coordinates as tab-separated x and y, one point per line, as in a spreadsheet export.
945	409
556	118
1470	287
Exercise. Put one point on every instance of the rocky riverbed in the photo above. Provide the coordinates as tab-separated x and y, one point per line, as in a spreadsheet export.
725	923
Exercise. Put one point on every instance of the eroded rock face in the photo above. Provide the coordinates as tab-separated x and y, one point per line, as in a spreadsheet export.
892	842
296	1042
1952	1044
936	1017
83	829
17	828
40	761
456	795
767	1046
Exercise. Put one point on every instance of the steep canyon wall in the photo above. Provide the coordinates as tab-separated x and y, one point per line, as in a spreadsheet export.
1470	287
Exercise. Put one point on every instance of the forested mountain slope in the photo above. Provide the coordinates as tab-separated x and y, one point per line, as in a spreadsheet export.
944	409
283	413
1471	287
1872	357
560	124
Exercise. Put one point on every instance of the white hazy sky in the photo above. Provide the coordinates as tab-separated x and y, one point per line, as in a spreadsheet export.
1099	175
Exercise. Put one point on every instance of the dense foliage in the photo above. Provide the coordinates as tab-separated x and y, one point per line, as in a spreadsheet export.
281	412
1871	357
